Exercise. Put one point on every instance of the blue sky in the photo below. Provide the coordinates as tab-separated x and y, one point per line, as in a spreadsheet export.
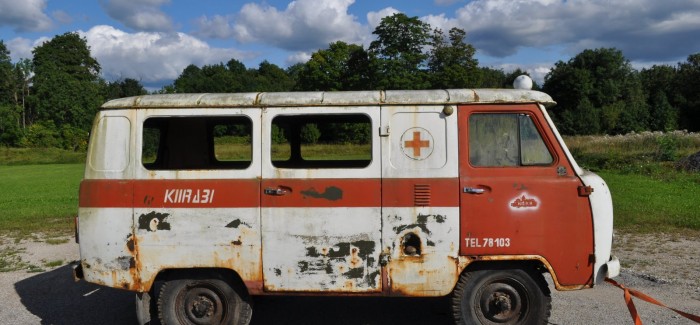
154	40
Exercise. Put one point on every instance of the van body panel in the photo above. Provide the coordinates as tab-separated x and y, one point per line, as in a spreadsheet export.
404	218
509	208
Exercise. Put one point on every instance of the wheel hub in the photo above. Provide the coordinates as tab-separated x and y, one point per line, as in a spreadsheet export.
202	307
500	303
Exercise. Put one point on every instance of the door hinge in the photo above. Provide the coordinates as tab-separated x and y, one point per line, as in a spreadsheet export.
384	131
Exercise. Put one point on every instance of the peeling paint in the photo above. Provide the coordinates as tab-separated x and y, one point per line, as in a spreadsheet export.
422	221
154	221
236	223
126	262
331	193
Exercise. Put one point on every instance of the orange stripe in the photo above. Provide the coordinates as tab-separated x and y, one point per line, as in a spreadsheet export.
249	193
170	193
348	193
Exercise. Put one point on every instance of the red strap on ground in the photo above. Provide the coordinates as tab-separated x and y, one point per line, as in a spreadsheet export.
633	310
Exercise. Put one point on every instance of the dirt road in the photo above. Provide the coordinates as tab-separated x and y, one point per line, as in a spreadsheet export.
665	267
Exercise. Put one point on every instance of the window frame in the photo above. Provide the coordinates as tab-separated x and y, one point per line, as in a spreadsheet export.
517	114
300	163
212	162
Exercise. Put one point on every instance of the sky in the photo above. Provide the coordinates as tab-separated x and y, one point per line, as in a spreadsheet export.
154	40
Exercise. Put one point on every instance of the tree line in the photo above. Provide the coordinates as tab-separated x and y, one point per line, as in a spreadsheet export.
50	99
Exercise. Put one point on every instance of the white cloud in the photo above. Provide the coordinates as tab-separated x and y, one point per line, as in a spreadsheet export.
141	15
150	57
25	15
303	25
298	57
440	21
21	48
215	27
642	29
375	17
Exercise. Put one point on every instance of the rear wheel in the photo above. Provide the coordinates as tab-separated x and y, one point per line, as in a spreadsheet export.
503	296
202	302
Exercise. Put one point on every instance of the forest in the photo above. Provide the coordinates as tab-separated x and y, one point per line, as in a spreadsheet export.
49	101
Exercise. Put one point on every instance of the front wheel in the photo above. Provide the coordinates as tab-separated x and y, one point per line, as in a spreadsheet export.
501	296
202	302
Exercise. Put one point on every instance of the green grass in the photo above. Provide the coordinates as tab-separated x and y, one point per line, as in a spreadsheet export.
52	264
650	203
39	198
33	156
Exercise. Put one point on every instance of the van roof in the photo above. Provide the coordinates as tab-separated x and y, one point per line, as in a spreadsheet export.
334	98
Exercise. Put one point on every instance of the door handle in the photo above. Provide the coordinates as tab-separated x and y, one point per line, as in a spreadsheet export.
474	190
276	191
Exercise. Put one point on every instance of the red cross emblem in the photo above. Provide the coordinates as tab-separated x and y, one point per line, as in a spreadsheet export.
416	143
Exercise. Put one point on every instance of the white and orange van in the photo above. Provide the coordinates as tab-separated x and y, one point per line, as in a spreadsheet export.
203	201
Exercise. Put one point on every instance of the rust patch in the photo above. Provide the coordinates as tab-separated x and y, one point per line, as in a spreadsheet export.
153	221
237	242
130	243
331	193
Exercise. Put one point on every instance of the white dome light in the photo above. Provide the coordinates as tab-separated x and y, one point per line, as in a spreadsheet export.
522	82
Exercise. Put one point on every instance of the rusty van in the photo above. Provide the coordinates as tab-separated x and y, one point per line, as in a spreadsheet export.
200	202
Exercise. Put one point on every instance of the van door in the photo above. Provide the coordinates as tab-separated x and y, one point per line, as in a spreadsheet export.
321	196
519	194
196	193
420	199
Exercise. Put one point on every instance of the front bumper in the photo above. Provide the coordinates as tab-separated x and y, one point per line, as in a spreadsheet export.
610	269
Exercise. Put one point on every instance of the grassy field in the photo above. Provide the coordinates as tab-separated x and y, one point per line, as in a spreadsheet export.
649	194
648	204
39	198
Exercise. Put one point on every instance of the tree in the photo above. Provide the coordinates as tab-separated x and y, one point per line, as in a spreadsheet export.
612	89
510	78
398	52
66	82
340	67
688	83
658	85
23	72
490	78
123	88
190	80
10	127
6	78
270	77
451	62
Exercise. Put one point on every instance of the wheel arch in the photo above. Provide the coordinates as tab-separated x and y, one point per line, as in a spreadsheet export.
227	275
531	263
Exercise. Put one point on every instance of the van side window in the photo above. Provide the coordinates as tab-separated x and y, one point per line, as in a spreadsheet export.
321	141
187	143
505	140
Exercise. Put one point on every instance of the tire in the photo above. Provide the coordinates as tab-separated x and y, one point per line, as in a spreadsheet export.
202	302
501	296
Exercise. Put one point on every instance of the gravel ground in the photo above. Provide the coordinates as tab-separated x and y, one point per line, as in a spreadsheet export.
666	267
